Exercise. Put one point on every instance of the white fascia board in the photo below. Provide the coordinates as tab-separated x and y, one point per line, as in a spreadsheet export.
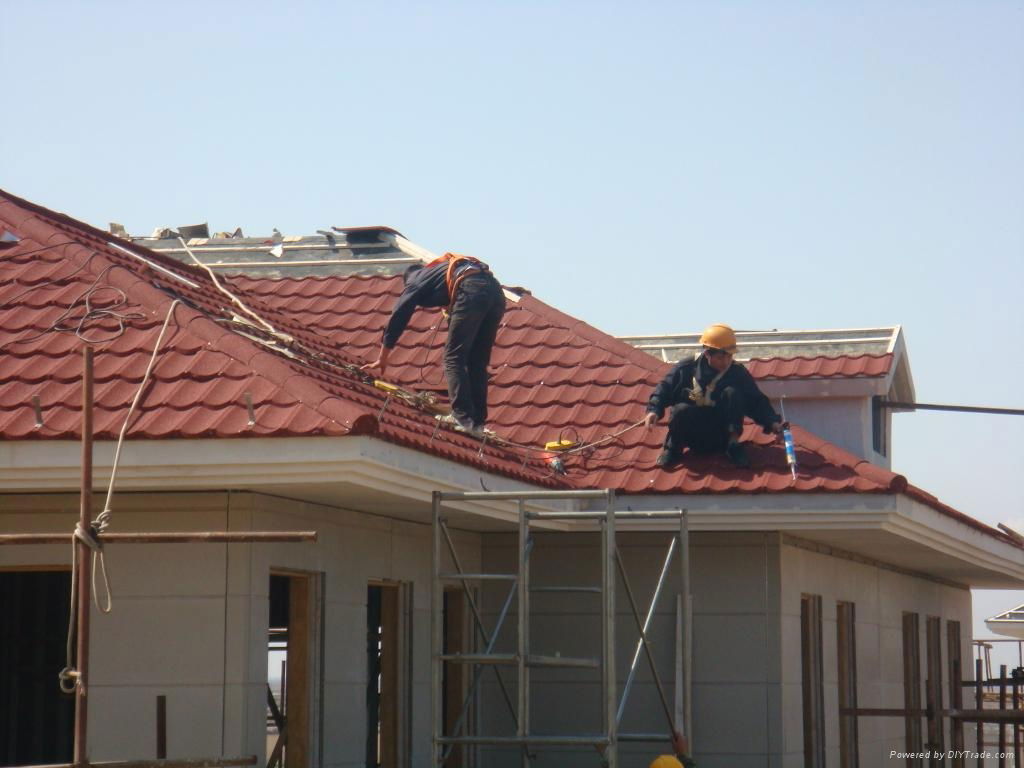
896	514
921	523
255	464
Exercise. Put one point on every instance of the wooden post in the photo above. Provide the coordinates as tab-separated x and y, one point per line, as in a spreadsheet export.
1016	726
84	596
161	727
933	689
956	691
979	703
1002	726
912	688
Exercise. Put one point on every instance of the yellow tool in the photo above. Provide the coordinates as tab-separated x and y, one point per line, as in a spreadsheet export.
385	386
560	445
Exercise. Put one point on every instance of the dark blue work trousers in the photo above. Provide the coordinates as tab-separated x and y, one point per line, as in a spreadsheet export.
472	329
706	429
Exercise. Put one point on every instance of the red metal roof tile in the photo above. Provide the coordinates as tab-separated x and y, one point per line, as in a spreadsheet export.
208	362
552	376
847	366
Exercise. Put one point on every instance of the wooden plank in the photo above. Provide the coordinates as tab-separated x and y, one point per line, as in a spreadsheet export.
389	665
912	687
979	703
847	662
1016	726
212	762
183	537
933	687
161	727
296	754
1002	707
813	702
455	682
956	691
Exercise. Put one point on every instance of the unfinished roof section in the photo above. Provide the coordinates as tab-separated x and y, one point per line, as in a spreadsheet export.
848	362
331	251
219	373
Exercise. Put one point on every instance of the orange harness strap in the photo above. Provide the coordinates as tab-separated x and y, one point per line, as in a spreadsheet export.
451	279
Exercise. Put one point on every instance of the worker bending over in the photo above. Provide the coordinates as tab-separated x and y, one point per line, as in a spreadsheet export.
709	395
475	304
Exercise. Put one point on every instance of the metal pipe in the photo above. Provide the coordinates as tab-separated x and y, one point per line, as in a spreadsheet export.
517	495
310	263
477	618
626	516
532	741
84	596
523	632
187	537
647	623
957	408
478	672
325	246
643	639
684	563
215	762
611	688
647	738
436	636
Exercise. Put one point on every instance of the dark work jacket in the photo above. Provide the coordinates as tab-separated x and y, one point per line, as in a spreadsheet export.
675	388
426	288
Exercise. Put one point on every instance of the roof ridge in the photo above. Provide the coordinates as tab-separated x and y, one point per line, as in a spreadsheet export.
156	302
63	219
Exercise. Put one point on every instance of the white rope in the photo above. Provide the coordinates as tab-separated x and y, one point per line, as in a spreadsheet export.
267	326
69	677
103	520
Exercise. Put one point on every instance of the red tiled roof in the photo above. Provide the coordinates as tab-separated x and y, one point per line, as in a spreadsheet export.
552	375
842	366
206	366
549	370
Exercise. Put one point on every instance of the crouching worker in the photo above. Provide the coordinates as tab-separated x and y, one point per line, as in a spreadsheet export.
708	396
475	304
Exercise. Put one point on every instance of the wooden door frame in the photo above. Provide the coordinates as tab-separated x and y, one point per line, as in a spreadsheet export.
304	692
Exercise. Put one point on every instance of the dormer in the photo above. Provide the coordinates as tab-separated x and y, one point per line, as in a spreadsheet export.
831	382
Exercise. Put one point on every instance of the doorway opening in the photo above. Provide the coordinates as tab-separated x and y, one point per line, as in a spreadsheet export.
36	718
291	666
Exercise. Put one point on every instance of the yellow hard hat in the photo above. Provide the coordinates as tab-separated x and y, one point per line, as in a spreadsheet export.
719	336
666	761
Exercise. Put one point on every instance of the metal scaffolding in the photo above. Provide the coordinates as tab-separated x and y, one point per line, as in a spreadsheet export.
524	659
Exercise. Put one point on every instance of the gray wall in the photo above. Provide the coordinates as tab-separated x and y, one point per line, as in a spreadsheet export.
881	596
190	621
736	654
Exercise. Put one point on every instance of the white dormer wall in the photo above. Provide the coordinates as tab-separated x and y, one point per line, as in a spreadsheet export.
848	422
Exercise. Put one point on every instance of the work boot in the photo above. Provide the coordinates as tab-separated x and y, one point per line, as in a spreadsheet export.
737	454
669	459
461	425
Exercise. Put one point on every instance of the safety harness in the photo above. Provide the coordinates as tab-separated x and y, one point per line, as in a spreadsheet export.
460	267
702	395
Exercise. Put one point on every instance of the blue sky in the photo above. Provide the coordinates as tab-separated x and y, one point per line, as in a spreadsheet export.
648	167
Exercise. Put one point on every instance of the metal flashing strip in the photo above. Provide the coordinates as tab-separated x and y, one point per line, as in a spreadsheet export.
154	265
